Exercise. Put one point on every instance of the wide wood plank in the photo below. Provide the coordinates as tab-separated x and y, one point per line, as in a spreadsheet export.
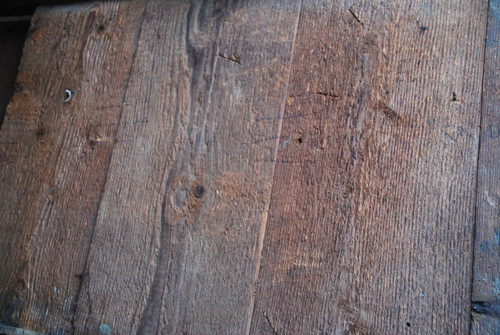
176	242
54	157
486	282
371	217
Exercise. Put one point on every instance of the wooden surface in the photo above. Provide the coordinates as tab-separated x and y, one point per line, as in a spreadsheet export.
372	211
55	157
190	177
260	167
486	279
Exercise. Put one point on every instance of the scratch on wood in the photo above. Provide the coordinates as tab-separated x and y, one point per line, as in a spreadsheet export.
355	16
330	95
232	58
97	140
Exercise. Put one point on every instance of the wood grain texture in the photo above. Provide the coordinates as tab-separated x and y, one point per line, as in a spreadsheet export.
486	281
371	218
176	243
260	167
54	157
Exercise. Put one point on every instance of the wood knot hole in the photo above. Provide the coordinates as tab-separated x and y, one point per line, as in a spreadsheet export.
199	191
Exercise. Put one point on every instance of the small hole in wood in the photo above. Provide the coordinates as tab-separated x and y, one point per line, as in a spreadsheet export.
199	191
408	324
40	132
299	139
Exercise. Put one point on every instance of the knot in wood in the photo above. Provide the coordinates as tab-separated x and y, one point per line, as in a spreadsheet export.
199	191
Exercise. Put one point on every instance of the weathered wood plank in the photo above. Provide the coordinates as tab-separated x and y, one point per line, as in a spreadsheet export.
371	216
175	248
54	157
486	282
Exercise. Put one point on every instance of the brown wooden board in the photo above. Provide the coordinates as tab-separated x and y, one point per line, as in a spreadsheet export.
372	211
176	242
54	156
336	141
486	282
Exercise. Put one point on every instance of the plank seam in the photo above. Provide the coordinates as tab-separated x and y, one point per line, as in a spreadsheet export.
263	226
481	111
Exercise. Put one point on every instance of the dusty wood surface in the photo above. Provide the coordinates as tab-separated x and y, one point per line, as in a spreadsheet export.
486	280
246	168
371	217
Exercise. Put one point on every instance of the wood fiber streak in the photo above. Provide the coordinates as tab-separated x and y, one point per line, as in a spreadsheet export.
175	246
486	280
371	217
54	157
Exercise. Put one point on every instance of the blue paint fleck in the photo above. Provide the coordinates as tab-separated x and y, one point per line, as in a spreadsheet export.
496	239
480	276
496	287
485	247
283	146
105	329
421	295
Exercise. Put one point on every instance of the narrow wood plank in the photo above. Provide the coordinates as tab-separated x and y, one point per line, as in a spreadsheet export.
486	282
175	247
371	217
54	156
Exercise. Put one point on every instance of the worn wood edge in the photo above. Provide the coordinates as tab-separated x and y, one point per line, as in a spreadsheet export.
485	281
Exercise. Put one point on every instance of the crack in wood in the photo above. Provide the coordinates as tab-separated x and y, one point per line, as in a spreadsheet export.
270	323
